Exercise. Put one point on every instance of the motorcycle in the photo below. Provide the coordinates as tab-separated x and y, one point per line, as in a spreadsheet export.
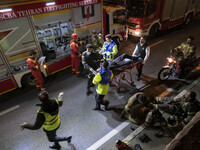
172	67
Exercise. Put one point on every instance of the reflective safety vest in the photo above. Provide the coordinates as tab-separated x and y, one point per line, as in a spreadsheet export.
51	122
112	48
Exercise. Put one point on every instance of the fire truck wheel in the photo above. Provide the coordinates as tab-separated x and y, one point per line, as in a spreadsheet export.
153	31
188	18
28	80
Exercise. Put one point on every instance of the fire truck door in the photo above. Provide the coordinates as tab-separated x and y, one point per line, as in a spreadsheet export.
7	82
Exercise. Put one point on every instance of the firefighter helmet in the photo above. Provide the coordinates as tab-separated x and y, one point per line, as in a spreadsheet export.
172	121
74	35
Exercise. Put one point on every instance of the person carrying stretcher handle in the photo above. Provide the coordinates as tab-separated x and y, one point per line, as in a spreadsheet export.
91	63
140	55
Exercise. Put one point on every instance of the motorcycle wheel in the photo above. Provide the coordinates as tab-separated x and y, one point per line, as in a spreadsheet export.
164	74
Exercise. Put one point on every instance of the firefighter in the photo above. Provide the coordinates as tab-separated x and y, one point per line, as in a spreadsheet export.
137	108
90	61
97	41
34	66
109	49
102	79
48	118
142	51
184	107
75	53
188	50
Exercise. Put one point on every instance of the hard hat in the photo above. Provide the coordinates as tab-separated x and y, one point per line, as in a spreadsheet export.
89	46
74	35
43	96
172	121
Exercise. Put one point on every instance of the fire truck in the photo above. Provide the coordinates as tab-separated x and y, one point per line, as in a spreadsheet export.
147	17
47	27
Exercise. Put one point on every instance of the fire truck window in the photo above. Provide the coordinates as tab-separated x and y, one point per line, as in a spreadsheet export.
136	8
119	17
151	7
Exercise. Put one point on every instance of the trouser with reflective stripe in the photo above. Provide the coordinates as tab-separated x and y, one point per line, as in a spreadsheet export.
75	65
38	79
90	78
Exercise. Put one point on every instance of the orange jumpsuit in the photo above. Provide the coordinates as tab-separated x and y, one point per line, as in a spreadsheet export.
36	72
75	56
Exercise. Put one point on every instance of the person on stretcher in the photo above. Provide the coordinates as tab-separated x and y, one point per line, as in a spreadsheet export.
124	59
140	56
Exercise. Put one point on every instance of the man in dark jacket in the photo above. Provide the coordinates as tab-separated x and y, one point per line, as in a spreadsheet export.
48	118
140	55
91	63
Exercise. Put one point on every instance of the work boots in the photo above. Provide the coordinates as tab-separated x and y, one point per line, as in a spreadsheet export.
68	139
106	104
55	146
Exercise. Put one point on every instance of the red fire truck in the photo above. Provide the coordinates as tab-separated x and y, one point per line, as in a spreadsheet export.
46	27
147	17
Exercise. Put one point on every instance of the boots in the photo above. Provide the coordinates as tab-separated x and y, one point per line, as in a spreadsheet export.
55	146
68	139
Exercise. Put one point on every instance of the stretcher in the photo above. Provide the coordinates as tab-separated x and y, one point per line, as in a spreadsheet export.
122	70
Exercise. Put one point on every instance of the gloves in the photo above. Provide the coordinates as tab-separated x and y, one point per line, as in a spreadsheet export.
34	69
91	69
108	53
61	94
76	53
22	126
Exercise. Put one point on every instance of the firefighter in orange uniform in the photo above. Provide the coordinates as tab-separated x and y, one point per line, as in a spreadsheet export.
75	53
34	66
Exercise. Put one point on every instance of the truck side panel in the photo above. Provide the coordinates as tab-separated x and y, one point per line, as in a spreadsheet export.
192	5
18	42
7	82
166	16
87	18
179	9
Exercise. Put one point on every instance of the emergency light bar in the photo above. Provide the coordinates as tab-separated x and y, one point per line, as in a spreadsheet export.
6	10
50	3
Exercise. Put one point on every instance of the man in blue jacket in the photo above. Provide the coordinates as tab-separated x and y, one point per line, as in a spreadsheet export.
109	49
102	79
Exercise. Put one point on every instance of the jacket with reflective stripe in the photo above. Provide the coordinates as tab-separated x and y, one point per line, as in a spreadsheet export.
51	122
187	49
32	63
112	48
74	48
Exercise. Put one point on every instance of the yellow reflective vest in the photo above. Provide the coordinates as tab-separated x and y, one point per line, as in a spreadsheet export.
51	122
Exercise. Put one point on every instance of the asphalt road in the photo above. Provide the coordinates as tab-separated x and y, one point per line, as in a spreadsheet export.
77	117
